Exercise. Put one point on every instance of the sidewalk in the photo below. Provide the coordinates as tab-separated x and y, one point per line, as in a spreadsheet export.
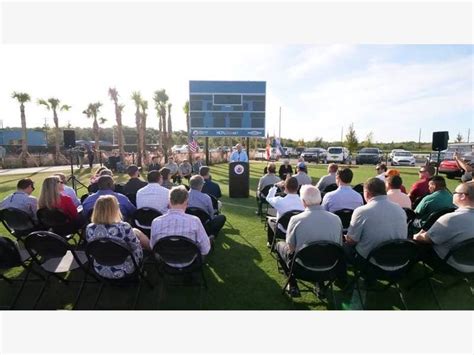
41	169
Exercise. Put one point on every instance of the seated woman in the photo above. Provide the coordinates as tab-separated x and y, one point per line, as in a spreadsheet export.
52	197
107	224
165	174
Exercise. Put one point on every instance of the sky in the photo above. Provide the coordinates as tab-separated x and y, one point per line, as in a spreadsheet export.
391	91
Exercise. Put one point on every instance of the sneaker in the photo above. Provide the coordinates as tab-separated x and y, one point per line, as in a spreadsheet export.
269	245
293	291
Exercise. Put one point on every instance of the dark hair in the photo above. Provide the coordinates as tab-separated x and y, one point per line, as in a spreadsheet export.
439	182
291	185
375	187
394	181
382	166
345	174
165	172
24	183
204	170
153	176
429	169
105	182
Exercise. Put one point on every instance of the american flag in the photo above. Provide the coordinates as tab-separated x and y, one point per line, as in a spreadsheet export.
193	145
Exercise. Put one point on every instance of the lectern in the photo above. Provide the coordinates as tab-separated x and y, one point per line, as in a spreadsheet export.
238	179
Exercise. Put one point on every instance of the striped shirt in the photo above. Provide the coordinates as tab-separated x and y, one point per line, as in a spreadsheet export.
154	196
22	201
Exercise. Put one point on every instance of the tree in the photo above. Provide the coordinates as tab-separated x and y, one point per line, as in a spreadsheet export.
23	97
459	138
53	104
170	128
144	107
137	98
351	139
93	111
113	93
161	99
186	112
369	139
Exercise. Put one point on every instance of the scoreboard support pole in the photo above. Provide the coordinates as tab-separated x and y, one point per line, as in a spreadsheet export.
247	144
206	144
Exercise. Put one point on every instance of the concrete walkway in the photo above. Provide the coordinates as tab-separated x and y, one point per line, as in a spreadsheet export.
41	169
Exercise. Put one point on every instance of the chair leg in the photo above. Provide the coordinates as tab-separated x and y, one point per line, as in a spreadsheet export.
204	282
401	296
41	292
357	279
285	285
81	288
98	295
134	306
17	296
434	294
333	295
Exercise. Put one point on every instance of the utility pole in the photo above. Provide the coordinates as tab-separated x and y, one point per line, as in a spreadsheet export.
468	134
419	139
342	134
1	124
279	126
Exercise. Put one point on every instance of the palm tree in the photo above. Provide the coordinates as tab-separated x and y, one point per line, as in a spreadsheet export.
23	97
93	111
54	104
170	128
137	98
186	112
161	98
113	93
144	107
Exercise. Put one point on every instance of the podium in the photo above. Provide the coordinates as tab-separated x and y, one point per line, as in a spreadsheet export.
239	179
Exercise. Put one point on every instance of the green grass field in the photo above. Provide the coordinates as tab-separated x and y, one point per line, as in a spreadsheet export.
241	273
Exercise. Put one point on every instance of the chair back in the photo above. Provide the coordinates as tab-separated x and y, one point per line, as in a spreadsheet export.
132	198
434	217
9	254
360	189
200	213
329	188
411	215
43	245
214	200
345	215
284	219
55	220
17	222
318	261
107	252
83	198
176	250
143	218
264	191
394	256
462	253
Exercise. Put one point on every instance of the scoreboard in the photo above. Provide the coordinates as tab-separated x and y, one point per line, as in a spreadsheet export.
227	108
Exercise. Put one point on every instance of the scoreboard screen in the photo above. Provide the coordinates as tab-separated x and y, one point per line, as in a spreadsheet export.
227	108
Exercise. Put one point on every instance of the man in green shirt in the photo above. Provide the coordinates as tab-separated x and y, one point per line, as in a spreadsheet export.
438	199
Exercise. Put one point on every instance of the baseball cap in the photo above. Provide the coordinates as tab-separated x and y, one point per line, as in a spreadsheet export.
132	169
392	172
301	165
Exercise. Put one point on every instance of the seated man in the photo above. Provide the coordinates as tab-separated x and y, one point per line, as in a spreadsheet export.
285	170
68	191
420	187
344	197
134	183
395	172
381	170
106	186
21	199
282	205
185	170
177	222
269	179
438	199
393	184
376	222
210	187
153	195
203	201
450	229
328	179
302	175
173	168
314	224
155	164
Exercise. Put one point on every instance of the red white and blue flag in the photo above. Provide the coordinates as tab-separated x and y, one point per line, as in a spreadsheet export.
193	145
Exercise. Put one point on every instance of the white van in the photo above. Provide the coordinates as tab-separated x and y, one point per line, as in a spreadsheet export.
338	155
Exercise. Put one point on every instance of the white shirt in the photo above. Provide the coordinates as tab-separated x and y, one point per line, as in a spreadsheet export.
69	191
154	196
381	176
284	204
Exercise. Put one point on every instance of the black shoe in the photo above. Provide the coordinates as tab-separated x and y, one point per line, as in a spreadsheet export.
321	290
293	291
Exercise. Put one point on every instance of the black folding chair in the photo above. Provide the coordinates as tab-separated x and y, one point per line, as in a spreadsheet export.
329	188
411	215
83	198
143	218
17	222
320	261
179	257
55	257
56	221
282	222
463	254
389	261
215	203
434	217
360	189
345	215
132	198
261	201
202	215
109	252
12	257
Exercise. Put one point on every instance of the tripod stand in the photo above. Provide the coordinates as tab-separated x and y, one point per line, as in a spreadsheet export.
72	178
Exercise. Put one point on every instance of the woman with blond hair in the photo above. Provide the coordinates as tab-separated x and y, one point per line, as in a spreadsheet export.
107	224
52	197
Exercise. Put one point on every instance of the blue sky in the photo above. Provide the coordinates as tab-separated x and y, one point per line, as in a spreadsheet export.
389	90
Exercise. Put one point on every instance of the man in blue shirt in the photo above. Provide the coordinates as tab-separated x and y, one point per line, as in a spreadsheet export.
209	187
239	155
106	186
344	197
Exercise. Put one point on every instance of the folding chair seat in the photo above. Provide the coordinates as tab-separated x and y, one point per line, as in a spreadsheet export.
17	222
143	217
345	215
389	261
108	252
320	261
282	223
55	257
56	221
202	215
12	257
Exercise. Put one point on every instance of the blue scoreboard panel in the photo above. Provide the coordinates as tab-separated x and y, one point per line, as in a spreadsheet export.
227	108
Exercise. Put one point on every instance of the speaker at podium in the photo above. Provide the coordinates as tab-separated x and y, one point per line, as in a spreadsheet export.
239	179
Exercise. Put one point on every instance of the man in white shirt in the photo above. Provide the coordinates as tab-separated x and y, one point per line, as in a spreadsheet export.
394	193
282	205
153	195
239	155
381	170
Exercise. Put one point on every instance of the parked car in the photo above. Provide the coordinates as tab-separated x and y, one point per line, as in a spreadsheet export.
403	158
177	149
451	168
433	158
338	155
392	153
318	155
369	156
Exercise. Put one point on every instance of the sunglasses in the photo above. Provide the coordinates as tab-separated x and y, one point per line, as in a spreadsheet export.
460	193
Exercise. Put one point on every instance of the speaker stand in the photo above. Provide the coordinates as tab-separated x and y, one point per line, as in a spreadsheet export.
74	181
